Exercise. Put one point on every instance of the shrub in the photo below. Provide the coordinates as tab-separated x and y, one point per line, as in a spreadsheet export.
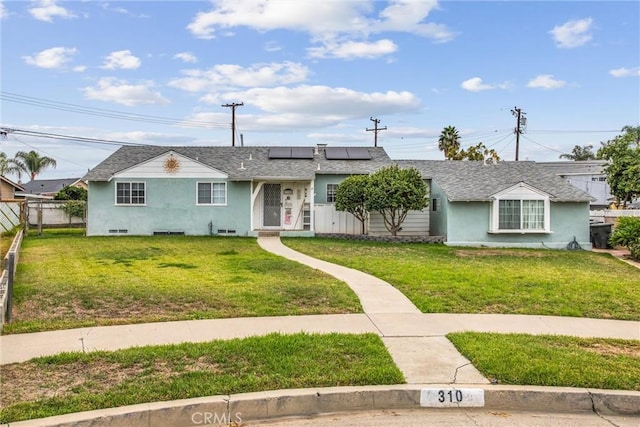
627	233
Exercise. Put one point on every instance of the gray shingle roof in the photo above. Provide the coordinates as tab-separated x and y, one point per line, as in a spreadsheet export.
477	181
255	162
460	180
40	186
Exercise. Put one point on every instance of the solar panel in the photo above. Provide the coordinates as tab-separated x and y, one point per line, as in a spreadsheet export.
336	153
358	153
302	153
280	152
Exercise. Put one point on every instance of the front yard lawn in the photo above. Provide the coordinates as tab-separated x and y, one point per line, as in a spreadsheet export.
443	279
74	382
65	280
553	360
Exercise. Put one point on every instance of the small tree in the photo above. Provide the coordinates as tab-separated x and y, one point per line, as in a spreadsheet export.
351	197
71	193
394	192
627	233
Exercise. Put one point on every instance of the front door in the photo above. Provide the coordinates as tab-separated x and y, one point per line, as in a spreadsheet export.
272	205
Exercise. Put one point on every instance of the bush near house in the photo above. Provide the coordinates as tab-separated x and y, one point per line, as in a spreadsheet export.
627	234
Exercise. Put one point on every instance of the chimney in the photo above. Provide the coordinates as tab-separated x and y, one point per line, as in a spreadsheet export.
320	148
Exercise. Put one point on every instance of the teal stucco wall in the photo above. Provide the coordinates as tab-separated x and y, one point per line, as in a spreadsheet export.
468	225
170	206
320	186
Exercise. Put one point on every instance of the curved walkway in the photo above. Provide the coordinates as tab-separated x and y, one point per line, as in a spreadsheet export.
415	340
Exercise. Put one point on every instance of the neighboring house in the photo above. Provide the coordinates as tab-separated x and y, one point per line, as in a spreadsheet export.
587	175
48	188
9	188
291	190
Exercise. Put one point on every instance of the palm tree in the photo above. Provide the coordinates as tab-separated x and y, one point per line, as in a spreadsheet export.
8	165
449	142
580	153
32	163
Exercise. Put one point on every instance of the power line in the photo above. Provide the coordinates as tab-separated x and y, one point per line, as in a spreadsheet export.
100	112
233	107
7	131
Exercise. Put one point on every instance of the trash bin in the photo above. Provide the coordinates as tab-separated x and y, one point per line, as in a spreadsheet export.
600	235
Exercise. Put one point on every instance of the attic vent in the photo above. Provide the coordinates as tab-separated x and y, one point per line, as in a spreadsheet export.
168	233
118	231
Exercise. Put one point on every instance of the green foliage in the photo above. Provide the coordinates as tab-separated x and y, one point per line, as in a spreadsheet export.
351	197
394	192
8	165
449	144
69	192
580	153
627	233
74	208
623	168
32	163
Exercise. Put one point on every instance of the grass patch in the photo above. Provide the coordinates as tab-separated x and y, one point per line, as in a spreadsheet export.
443	279
74	382
65	280
547	360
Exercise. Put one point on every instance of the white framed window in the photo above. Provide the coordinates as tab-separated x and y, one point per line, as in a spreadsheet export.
521	209
212	193
332	189
130	193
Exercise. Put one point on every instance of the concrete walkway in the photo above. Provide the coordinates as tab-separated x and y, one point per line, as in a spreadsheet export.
415	340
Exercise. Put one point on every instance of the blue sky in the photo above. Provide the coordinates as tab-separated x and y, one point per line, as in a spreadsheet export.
313	72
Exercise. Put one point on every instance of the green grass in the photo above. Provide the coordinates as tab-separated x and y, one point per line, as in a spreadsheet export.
553	360
65	280
74	382
443	279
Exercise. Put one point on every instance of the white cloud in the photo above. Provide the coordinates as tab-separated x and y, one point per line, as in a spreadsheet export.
475	84
186	57
122	59
79	69
546	81
225	75
46	10
272	46
119	91
353	49
323	21
54	57
3	11
574	33
625	72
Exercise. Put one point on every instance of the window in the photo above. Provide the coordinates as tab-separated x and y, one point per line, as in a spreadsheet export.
331	192
521	215
130	193
212	193
435	205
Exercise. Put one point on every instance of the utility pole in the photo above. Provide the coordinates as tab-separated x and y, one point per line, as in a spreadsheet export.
521	123
375	129
233	107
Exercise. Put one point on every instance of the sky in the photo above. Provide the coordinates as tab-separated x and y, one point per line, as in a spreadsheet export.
310	72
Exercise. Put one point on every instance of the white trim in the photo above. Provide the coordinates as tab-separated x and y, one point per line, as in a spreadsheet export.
211	193
520	192
115	201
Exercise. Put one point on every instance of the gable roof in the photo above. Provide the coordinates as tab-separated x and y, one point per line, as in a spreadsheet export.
242	163
477	181
19	187
46	186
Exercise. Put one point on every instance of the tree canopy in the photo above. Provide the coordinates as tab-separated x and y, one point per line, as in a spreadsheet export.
32	163
623	167
449	144
71	193
351	197
393	192
580	153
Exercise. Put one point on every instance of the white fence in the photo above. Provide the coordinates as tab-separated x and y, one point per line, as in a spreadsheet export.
49	213
10	215
610	215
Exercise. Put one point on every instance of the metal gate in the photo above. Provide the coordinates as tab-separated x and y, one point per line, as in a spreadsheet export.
272	205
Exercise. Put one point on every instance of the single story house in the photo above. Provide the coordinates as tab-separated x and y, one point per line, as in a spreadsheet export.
48	188
8	188
247	190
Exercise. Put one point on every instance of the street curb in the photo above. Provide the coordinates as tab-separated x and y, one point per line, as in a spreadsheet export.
241	408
